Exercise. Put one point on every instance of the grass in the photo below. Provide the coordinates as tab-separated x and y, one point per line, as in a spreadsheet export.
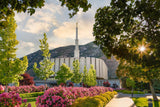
129	92
31	98
143	102
140	102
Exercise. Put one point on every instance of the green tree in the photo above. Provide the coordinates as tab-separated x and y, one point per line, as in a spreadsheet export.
91	79
77	76
130	83
63	74
45	69
7	7
85	76
11	67
121	28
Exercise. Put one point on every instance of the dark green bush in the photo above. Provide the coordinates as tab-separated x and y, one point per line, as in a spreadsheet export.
28	95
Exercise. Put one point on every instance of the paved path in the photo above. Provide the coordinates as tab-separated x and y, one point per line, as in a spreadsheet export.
121	100
125	100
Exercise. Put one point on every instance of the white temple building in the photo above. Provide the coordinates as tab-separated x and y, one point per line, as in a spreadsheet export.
99	65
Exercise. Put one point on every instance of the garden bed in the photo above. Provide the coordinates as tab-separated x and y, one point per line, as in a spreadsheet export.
64	96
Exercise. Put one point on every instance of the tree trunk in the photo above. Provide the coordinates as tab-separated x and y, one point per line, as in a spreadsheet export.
6	88
153	91
45	85
120	83
132	91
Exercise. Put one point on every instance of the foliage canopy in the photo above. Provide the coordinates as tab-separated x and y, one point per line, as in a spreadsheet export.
77	76
45	70
63	74
11	67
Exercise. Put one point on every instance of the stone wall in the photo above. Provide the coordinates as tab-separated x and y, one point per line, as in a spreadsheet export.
99	65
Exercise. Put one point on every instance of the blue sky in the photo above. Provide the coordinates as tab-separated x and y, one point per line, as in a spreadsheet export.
54	20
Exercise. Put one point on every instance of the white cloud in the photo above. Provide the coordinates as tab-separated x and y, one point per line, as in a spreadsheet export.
36	27
25	48
54	20
41	21
68	30
20	17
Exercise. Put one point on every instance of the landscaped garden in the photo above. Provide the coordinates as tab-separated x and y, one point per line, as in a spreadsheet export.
33	96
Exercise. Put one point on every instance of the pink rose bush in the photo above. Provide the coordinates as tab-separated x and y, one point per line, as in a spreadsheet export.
65	96
10	99
1	89
26	89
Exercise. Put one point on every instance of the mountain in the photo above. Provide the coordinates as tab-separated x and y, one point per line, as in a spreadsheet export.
88	50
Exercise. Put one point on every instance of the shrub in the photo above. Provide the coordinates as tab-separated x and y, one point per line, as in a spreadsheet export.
88	102
26	89
11	99
1	89
102	98
96	101
46	100
70	84
27	80
63	84
106	84
70	94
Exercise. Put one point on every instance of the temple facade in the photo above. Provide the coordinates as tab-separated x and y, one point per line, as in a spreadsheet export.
99	65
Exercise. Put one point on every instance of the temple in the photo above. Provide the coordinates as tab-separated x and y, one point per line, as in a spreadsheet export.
76	51
99	64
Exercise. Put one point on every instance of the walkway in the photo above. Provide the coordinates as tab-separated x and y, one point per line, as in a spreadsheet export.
121	100
125	100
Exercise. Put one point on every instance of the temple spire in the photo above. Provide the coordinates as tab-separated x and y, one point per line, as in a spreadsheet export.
76	51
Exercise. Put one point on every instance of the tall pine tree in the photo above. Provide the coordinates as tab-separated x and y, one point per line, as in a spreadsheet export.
45	70
11	67
77	76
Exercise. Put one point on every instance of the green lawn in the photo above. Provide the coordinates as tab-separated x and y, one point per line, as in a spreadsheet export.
129	92
143	102
31	100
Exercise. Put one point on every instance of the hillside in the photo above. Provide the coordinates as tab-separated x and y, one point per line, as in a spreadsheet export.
88	50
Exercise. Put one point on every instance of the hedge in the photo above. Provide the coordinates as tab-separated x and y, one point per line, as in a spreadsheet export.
28	95
96	101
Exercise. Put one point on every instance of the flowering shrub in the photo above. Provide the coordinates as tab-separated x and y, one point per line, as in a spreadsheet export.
106	84
26	89
11	99
63	84
70	84
68	94
49	101
1	89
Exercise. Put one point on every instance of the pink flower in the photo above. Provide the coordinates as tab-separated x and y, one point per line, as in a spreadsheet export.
25	100
1	88
29	105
